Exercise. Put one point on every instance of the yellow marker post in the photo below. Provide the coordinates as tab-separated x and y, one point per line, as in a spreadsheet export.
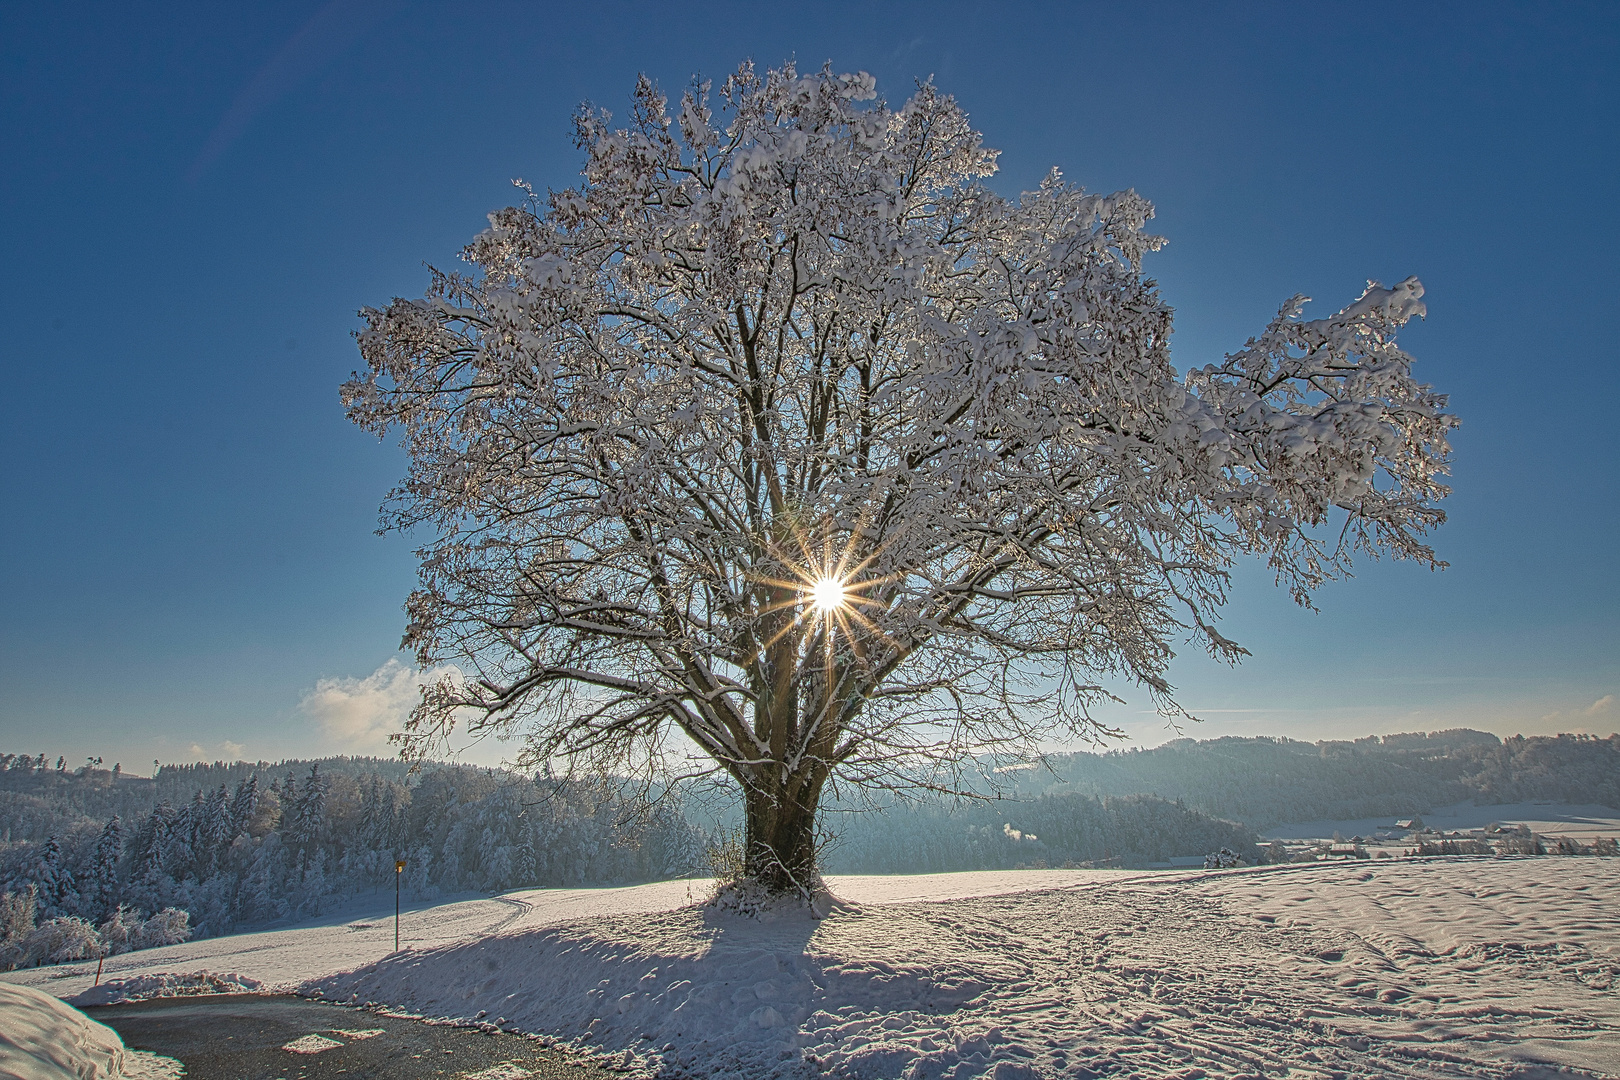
399	872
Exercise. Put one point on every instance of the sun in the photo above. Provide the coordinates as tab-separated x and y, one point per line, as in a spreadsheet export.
828	595
832	588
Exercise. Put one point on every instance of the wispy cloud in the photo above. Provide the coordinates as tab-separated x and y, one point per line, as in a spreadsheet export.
362	713
324	38
225	751
1600	706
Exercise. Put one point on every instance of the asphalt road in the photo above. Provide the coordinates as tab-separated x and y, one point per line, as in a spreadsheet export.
244	1037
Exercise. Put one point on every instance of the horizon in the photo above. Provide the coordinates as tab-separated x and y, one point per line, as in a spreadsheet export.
202	200
1117	747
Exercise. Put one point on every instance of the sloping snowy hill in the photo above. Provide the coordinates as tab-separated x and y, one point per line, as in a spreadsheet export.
1425	968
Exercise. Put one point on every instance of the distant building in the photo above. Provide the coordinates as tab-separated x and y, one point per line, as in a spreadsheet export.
1411	823
1177	862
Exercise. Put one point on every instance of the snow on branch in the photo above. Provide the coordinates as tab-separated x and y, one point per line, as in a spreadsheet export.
780	333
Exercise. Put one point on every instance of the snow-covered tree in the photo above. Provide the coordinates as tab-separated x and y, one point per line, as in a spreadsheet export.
57	889
182	849
244	808
18	911
214	831
120	930
151	874
262	892
784	430
62	939
168	927
305	819
100	890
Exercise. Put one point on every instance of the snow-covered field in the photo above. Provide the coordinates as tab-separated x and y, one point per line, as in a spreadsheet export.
1584	823
1459	967
280	961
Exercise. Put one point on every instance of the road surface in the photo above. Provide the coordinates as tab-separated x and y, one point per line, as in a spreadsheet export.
246	1037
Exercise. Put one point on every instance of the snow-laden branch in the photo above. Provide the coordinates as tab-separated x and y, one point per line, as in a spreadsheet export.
788	334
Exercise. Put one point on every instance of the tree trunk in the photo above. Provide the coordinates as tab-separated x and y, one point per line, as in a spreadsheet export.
780	837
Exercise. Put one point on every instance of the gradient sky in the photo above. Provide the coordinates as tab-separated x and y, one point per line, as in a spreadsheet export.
197	200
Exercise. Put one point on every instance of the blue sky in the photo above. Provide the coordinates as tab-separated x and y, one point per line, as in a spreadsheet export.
196	201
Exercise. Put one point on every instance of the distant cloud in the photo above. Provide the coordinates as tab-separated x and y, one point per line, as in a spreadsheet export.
1600	706
225	751
360	714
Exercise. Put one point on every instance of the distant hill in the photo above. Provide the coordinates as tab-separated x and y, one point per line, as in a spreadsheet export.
1264	782
1133	807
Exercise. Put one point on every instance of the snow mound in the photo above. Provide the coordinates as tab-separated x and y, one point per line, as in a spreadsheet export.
166	984
749	898
42	1038
702	990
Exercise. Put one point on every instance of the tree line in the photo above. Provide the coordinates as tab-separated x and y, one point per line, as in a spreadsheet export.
273	847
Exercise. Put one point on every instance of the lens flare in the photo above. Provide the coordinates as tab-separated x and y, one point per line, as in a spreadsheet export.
828	595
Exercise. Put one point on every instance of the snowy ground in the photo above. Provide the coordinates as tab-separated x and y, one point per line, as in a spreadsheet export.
279	961
1461	967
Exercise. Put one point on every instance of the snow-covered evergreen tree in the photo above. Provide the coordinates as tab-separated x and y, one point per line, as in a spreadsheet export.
182	843
308	817
244	805
100	891
214	832
305	819
58	892
150	883
262	895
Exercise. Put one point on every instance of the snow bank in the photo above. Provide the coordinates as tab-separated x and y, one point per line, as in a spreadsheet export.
718	994
166	984
43	1039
